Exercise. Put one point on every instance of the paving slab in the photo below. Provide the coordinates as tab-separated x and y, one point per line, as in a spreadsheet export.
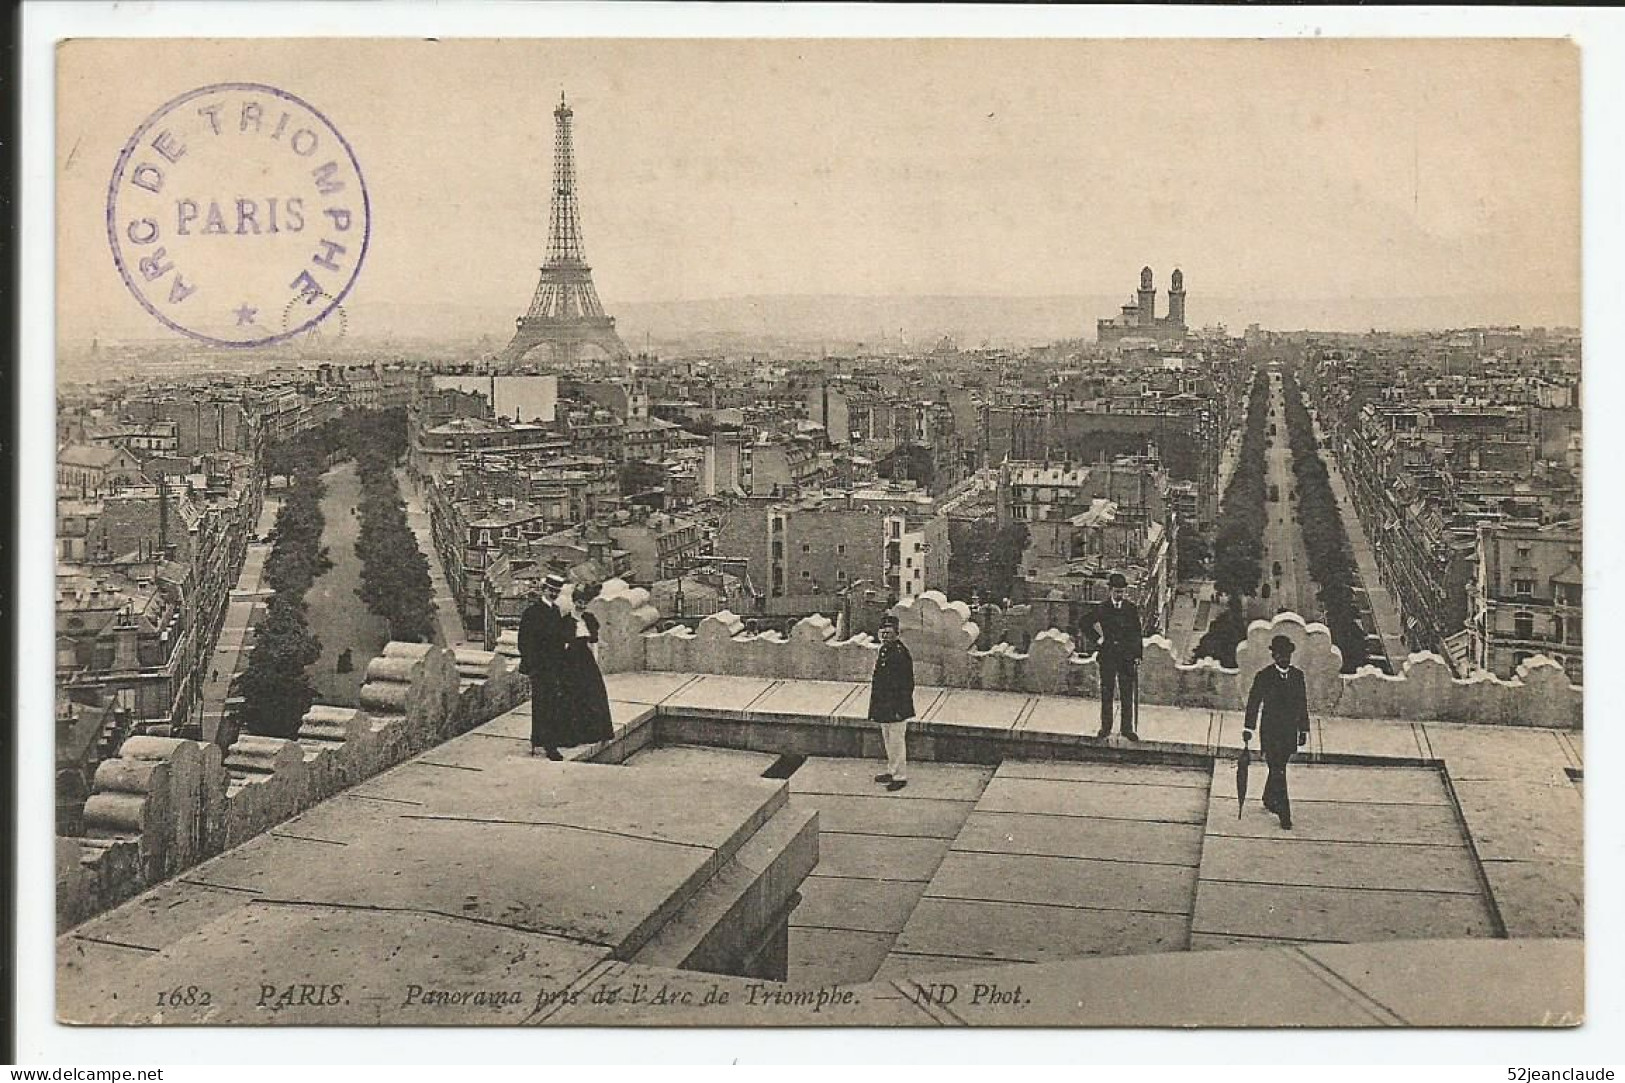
525	876
712	693
1231	942
834	956
980	710
92	979
1343	783
1369	737
887	814
1079	716
155	919
360	965
473	752
1573	742
837	775
1131	774
1035	933
1193	727
1542	899
504	845
1065	881
1173	804
1337	914
1080	836
515	724
1513	821
902	965
876	857
1064	715
645	686
1497	752
652	804
1283	860
874	906
816	698
511	723
1329	821
708	761
1491	983
926	697
348	817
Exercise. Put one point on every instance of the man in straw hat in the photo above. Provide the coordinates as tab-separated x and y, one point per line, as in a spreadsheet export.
1281	696
544	635
1116	623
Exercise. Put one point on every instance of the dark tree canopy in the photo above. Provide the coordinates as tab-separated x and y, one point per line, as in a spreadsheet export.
983	558
395	574
1331	562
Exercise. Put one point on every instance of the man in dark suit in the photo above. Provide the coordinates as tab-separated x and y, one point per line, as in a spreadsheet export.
544	635
891	702
1281	696
1115	624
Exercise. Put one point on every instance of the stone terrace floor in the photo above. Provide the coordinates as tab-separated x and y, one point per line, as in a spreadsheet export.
1516	792
1415	846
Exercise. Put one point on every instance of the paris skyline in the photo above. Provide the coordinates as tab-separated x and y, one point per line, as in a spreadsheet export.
1337	180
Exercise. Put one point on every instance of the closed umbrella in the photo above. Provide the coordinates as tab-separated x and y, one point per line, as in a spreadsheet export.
1243	763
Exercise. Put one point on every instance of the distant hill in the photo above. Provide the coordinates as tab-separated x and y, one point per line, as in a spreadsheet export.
970	319
807	324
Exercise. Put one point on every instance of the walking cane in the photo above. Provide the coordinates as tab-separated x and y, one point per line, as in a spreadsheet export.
1136	698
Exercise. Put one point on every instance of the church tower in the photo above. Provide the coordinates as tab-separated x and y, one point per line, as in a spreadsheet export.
1176	299
1148	298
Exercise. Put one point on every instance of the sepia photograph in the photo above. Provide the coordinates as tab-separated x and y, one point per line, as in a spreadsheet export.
803	532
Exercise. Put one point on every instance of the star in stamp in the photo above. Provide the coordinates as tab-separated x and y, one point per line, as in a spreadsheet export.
230	204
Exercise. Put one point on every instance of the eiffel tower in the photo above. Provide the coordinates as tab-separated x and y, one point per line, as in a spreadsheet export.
565	313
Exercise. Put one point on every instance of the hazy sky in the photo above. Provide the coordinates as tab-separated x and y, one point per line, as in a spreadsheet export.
1285	169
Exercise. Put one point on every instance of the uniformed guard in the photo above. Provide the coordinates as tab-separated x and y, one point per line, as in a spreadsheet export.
891	702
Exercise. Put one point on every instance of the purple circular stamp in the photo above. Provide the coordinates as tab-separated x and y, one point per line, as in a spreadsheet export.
238	215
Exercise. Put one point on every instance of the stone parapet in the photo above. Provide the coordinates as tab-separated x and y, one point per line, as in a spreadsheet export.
942	639
163	804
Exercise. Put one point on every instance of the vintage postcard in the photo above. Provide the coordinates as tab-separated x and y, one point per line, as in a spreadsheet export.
808	533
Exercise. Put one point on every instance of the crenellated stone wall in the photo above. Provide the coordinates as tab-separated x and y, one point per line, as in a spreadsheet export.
163	804
942	638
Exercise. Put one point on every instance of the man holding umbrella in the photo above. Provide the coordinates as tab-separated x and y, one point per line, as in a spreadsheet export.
1281	696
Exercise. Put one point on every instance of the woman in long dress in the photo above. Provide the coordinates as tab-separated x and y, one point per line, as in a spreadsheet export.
588	700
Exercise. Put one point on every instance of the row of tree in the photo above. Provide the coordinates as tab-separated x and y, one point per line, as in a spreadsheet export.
276	692
395	580
1331	562
1238	548
395	576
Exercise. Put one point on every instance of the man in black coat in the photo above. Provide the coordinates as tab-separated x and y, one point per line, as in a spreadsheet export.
891	702
544	636
1115	623
1280	694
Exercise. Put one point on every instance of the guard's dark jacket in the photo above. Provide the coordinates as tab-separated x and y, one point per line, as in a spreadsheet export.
1119	629
891	692
1284	704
